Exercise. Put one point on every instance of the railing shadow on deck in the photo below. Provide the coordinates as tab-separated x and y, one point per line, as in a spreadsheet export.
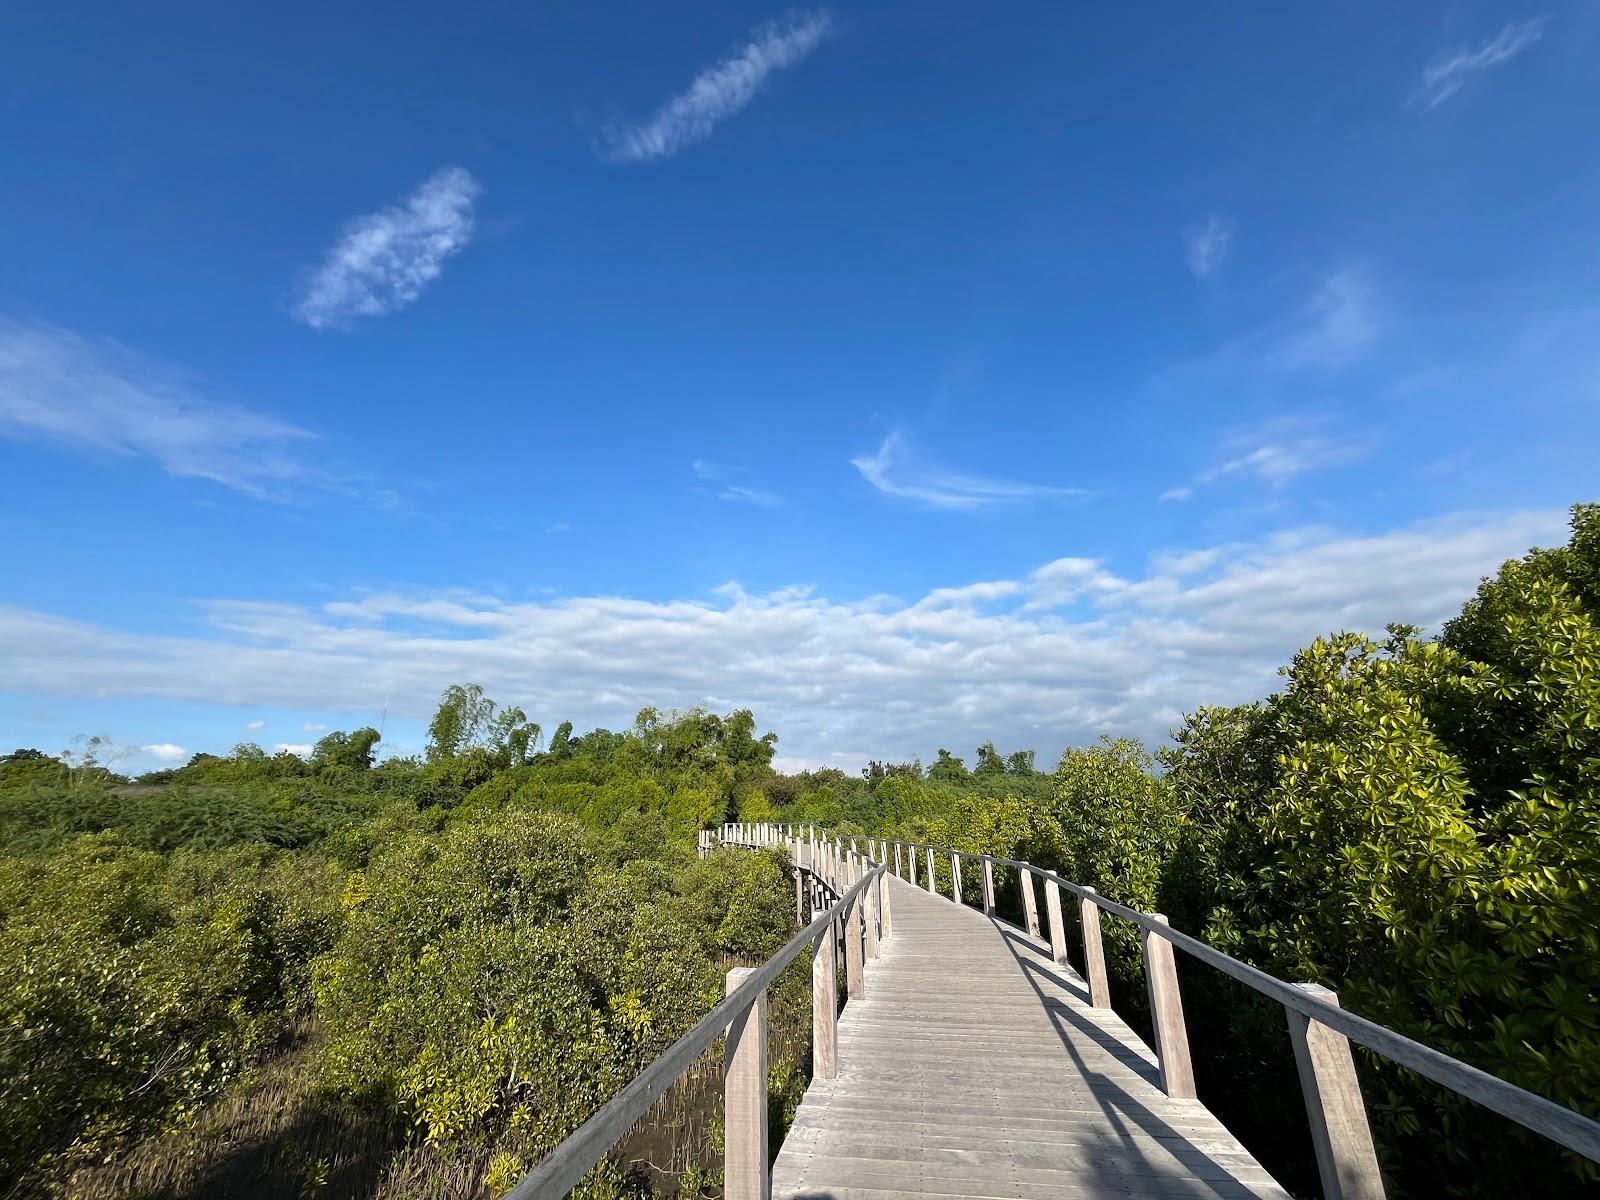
1110	1092
1184	1168
1320	1031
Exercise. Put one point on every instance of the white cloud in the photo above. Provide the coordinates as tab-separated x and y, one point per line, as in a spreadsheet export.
1328	332
1053	656
1450	70
303	749
719	91
166	752
889	471
739	493
313	727
1335	327
1277	452
1205	246
745	495
1283	449
385	259
254	725
97	395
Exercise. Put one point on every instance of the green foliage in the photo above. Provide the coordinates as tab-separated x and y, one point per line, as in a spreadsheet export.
137	985
346	751
484	964
502	982
947	768
468	721
1417	824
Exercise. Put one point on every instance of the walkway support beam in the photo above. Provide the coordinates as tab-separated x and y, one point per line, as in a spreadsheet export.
855	979
1030	906
1058	934
1166	1013
1094	952
1346	1160
746	1174
825	1006
871	917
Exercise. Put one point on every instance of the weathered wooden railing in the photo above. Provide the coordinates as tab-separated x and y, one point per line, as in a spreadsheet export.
849	911
1320	1031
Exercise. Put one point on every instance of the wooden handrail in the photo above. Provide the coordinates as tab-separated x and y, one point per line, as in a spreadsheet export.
1560	1124
561	1170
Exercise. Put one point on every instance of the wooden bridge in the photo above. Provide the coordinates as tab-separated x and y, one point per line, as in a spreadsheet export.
972	1061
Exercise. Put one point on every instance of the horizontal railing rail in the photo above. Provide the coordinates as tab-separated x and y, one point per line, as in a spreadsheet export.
1320	1030
856	917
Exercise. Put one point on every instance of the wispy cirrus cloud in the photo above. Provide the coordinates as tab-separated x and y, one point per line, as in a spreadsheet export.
1333	326
718	92
1277	452
1206	246
728	485
384	260
98	395
892	471
1449	71
1047	657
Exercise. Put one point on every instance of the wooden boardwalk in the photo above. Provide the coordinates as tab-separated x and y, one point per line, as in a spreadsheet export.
975	1067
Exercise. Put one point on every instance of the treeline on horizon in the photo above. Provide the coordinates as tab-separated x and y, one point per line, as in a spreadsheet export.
261	975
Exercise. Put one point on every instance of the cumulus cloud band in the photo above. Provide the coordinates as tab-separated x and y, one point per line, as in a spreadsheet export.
1057	656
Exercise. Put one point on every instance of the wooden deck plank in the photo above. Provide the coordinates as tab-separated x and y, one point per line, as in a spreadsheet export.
974	1067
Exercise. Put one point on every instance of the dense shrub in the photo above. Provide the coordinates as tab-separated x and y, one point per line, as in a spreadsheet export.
501	982
137	985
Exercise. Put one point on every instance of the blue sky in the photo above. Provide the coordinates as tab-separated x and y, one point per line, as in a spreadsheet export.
915	375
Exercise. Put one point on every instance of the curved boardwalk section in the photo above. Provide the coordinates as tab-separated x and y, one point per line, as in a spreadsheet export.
974	1066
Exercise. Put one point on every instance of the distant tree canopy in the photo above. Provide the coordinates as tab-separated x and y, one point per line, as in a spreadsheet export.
351	750
468	721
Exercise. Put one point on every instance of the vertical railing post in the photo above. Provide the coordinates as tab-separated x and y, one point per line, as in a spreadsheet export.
855	980
745	1170
1030	906
1166	1014
871	893
988	888
884	907
1052	908
897	868
933	883
799	895
1094	953
955	876
824	1006
911	855
1346	1160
